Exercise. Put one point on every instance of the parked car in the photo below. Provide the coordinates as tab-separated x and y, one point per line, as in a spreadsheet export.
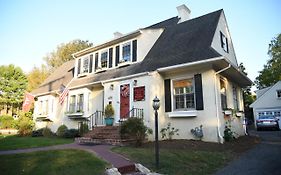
267	122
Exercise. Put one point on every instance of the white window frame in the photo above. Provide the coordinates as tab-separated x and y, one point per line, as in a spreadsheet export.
224	42
82	65
226	105
173	95
122	54
76	103
107	58
235	95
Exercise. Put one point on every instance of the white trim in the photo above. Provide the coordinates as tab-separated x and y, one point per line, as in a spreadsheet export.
125	77
191	113
189	64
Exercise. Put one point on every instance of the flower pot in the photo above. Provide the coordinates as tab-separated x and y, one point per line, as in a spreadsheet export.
109	121
227	112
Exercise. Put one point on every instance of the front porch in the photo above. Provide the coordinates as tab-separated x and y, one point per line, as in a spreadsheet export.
94	130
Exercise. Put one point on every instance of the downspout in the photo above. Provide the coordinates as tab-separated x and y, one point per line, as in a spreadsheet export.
216	101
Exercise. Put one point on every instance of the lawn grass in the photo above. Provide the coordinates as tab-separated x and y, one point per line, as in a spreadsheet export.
16	142
179	161
56	162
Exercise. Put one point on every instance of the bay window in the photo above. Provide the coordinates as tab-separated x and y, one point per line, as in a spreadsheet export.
183	94
76	103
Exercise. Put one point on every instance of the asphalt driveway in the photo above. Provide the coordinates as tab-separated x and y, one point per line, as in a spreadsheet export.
264	159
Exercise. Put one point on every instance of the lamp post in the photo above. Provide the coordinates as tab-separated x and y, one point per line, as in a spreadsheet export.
156	105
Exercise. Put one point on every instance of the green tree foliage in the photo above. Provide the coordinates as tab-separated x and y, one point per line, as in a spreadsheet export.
247	95
36	77
271	72
13	84
63	53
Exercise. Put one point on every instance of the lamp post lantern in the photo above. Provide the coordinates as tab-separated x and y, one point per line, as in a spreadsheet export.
156	105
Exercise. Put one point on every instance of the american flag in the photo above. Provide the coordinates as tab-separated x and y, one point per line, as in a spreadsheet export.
63	94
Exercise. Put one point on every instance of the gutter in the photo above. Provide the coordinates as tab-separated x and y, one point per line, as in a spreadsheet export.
189	64
125	77
220	138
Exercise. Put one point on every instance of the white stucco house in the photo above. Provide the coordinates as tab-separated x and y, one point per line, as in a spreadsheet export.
188	63
268	102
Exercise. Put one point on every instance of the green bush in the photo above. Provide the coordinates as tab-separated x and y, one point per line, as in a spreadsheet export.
25	126
7	121
61	131
47	132
71	133
228	134
37	133
135	128
109	111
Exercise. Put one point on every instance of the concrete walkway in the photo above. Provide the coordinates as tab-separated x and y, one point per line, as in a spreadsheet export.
102	151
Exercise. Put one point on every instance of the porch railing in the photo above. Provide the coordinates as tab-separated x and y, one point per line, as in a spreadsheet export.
134	112
94	119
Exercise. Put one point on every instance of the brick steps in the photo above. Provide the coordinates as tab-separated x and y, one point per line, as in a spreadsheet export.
108	135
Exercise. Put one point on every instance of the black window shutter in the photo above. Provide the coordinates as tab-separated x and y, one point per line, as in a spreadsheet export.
110	57
79	66
226	45
198	92
117	55
221	35
167	88
91	64
134	50
96	61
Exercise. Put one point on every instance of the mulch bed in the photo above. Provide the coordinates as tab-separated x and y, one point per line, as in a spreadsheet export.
236	146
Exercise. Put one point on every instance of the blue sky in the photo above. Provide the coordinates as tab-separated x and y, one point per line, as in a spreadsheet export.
29	29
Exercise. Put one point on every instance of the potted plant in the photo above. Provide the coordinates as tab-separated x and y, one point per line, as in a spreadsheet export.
109	113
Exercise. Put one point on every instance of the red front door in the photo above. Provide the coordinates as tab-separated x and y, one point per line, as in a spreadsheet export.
124	100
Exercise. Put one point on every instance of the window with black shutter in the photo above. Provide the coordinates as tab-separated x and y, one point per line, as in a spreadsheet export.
91	63
134	51
110	58
79	67
198	92
224	42
117	50
167	89
96	61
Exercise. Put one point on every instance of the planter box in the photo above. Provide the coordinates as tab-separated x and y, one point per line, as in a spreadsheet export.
239	114
227	112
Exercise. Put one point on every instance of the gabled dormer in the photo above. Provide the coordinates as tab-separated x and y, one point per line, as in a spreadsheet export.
222	42
122	51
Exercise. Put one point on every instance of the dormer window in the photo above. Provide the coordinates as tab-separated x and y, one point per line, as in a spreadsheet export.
104	59
278	94
224	42
126	52
85	65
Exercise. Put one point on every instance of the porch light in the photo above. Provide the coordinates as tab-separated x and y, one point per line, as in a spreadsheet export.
135	82
111	86
156	105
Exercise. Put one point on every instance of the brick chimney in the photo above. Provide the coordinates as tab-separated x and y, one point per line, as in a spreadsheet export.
183	13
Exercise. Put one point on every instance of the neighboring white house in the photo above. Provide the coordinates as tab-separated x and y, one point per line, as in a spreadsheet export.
188	63
268	102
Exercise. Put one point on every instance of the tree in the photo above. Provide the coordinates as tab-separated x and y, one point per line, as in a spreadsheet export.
271	72
64	52
36	77
13	83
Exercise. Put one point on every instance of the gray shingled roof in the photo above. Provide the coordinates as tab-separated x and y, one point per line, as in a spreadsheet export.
186	42
181	43
62	75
